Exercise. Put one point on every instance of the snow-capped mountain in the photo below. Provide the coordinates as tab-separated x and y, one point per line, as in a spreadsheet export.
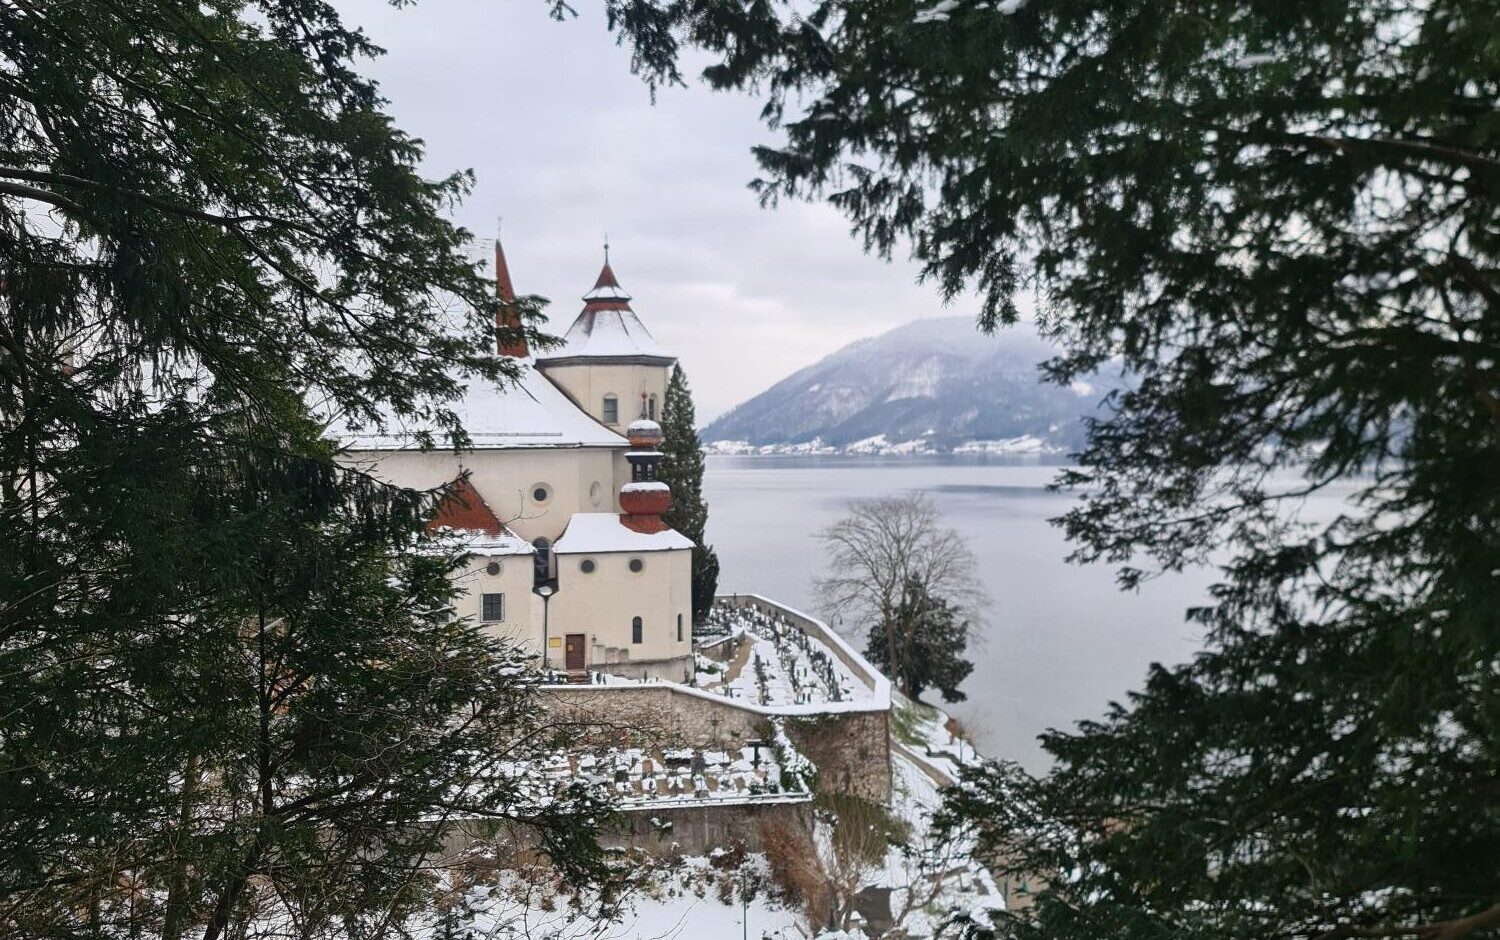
932	385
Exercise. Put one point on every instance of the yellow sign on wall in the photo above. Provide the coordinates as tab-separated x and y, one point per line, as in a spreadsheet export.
554	641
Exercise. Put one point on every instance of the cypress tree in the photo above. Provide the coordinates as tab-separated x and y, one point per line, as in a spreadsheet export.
682	469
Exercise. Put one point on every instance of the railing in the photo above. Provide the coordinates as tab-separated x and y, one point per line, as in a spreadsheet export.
878	699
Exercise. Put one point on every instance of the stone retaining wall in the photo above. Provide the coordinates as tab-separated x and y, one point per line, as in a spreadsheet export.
698	830
662	715
850	749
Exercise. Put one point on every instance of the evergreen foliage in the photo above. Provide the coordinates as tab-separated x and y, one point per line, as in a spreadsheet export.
682	470
1281	218
937	642
894	568
228	675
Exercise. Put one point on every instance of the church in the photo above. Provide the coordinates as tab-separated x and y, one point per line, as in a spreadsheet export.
559	516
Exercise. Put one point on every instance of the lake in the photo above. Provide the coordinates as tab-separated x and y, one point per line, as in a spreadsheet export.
1059	642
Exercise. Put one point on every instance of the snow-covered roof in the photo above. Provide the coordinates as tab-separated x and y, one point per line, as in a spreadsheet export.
607	329
532	413
455	542
506	543
599	532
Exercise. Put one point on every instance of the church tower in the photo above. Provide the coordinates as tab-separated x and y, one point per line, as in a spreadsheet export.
609	364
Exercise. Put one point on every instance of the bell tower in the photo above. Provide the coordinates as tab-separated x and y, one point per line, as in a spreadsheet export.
609	363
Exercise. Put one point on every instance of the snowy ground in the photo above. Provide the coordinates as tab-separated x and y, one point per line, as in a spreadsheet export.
931	880
695	898
699	897
678	775
934	879
780	666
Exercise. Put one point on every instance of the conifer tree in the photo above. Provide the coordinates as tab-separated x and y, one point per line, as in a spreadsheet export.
1282	218
682	470
937	642
226	673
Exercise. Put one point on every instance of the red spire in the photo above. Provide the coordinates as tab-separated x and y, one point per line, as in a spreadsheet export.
507	318
503	287
606	277
606	294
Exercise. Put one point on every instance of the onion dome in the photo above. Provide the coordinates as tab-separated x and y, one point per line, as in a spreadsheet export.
644	498
647	498
644	434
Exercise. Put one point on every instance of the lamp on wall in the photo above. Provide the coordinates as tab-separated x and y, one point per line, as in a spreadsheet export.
545	590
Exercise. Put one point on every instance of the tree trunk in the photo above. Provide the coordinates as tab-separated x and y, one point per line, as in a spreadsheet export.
234	888
176	905
890	644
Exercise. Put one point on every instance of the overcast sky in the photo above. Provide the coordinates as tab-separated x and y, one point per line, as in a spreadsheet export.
567	145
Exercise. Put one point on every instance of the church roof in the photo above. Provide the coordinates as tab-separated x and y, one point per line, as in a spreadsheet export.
607	329
461	507
532	413
600	532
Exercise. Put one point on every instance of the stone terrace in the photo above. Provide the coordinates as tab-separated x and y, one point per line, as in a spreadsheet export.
777	693
680	775
757	653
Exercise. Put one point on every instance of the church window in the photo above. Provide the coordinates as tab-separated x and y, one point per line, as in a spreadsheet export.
611	409
651	408
587	566
635	629
492	569
679	628
542	560
541	492
637	565
493	609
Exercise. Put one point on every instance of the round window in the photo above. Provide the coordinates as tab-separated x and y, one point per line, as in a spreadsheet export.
587	566
493	568
541	492
637	565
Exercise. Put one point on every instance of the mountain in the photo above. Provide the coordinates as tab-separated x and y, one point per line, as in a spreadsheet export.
932	385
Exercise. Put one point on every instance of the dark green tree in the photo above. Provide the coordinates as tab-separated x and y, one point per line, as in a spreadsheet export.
938	637
682	470
1281	217
226	674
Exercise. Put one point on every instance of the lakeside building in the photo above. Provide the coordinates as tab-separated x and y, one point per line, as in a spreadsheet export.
556	500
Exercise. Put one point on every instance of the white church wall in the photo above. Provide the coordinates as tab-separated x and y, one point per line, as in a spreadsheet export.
585	479
522	623
588	384
603	603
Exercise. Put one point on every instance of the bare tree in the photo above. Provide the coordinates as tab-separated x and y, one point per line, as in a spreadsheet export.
882	551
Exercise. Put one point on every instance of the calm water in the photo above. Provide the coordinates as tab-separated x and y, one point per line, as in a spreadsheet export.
1060	641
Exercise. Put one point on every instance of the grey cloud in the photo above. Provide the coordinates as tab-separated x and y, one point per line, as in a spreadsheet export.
567	145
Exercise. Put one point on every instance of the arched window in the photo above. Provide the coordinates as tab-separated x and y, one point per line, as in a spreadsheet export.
542	560
611	409
651	408
635	629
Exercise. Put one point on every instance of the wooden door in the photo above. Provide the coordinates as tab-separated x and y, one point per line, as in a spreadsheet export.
573	652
